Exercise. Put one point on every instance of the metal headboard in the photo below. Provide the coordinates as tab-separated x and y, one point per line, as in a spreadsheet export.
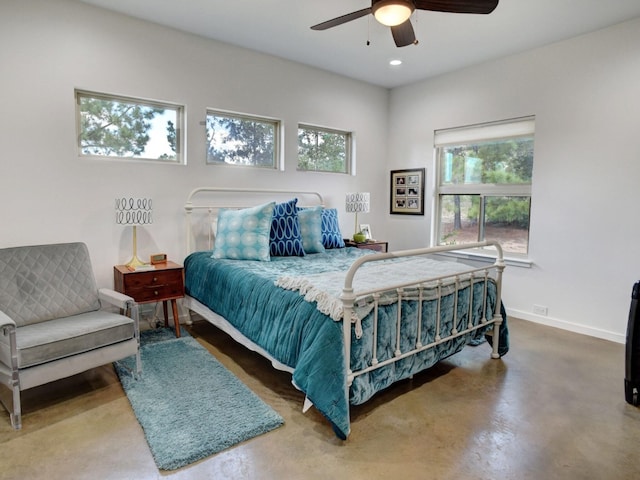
212	199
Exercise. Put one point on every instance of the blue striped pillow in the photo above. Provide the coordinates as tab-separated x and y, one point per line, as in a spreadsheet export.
285	239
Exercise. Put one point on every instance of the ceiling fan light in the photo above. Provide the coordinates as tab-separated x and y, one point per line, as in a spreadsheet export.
392	12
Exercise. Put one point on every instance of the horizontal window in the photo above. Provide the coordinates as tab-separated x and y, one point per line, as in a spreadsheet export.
121	127
323	150
238	139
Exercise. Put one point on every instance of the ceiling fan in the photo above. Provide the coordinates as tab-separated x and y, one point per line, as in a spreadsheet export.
396	13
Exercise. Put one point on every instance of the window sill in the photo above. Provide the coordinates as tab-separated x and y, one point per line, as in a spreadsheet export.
485	258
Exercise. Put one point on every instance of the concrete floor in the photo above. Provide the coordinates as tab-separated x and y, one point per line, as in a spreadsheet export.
553	408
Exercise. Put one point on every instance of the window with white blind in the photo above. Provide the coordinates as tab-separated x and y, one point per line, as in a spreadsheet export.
483	191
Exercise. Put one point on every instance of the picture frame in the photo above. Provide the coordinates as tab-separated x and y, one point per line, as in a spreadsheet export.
366	229
407	191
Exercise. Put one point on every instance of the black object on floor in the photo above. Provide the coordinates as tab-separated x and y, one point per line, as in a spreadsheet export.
632	358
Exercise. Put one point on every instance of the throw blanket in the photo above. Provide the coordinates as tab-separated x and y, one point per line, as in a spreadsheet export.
325	288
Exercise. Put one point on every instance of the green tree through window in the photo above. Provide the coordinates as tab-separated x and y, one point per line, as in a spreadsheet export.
127	128
241	140
323	150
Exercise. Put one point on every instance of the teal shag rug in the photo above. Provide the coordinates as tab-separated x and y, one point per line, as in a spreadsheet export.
188	404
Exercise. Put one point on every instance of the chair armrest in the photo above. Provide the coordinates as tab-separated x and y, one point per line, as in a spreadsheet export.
6	321
114	298
8	329
126	303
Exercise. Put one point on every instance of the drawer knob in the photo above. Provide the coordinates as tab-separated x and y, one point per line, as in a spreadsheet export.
155	279
155	293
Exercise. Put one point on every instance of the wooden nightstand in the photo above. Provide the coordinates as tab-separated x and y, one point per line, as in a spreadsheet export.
163	284
376	245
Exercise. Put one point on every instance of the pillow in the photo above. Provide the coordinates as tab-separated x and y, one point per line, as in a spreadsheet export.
244	234
285	239
331	235
311	229
214	232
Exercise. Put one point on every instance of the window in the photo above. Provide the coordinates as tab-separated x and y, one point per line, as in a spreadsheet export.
323	150
238	139
120	127
484	184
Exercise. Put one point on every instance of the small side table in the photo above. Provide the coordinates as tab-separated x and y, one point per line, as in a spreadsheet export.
376	245
162	284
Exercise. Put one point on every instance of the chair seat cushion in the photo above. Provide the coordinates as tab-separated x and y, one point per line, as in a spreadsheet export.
47	341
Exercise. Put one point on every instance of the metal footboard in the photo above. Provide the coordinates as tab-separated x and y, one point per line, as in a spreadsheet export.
472	276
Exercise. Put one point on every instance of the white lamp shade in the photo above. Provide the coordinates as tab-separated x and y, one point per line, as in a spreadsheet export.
133	211
357	202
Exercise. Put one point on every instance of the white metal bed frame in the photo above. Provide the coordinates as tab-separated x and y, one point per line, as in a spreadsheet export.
349	296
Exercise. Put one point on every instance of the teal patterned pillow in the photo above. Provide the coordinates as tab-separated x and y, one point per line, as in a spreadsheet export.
285	239
244	234
331	235
311	229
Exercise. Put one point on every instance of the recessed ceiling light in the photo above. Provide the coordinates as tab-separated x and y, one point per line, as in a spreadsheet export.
395	63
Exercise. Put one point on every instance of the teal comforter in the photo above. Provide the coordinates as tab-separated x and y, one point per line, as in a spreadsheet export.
298	335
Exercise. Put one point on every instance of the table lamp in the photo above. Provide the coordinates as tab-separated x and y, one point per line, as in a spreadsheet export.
357	203
133	211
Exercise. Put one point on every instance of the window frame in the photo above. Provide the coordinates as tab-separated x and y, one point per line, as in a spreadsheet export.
180	126
278	163
523	127
349	148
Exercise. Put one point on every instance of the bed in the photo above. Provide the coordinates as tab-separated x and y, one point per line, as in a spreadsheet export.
345	322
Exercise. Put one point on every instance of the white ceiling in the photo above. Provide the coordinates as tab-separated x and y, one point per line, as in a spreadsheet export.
446	41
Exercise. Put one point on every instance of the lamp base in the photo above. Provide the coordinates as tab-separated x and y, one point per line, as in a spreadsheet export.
135	262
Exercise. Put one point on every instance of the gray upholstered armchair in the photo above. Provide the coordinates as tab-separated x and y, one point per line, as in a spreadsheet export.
52	324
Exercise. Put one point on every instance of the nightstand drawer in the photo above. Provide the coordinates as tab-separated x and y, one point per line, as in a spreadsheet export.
152	286
378	246
155	293
152	278
165	283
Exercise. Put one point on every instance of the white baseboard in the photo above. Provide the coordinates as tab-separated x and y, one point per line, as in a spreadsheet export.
564	325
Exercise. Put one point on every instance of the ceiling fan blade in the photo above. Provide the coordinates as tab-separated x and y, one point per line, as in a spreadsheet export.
403	34
457	6
343	19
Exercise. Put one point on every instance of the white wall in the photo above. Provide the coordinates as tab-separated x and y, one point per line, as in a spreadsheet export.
49	194
584	238
584	93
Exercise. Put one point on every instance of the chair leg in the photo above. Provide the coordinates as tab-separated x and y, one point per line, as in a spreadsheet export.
16	416
15	412
138	371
